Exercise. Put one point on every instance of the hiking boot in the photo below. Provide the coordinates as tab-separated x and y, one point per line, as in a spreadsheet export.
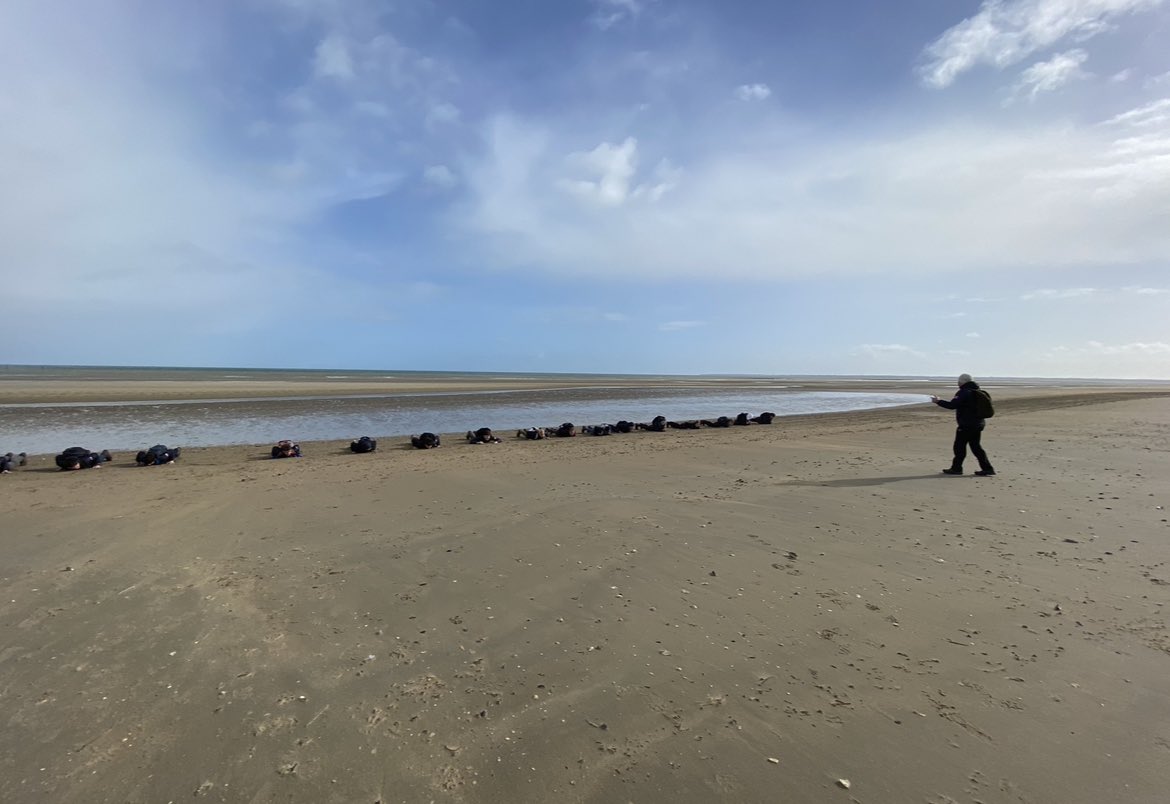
952	471
986	473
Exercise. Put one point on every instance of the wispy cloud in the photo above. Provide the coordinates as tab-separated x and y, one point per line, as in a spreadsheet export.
442	113
1097	358
1154	114
1061	293
1159	81
885	350
1058	294
1006	32
1047	76
675	326
753	92
333	59
608	13
901	204
440	176
610	167
1136	349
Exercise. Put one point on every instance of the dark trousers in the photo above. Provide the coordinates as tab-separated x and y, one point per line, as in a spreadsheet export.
970	438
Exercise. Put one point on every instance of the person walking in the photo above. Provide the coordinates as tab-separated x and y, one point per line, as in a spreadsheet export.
970	432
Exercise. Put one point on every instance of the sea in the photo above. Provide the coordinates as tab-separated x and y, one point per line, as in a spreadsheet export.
39	428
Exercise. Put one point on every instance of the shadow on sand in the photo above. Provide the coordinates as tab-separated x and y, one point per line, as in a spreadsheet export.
865	481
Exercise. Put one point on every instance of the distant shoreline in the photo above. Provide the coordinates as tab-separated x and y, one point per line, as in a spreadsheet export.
106	384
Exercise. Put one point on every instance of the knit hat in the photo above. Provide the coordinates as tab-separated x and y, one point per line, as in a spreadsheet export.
964	379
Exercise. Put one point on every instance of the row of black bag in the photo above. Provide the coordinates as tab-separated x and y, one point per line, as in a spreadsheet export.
160	454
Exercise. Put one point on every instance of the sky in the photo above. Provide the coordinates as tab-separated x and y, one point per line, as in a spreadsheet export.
614	186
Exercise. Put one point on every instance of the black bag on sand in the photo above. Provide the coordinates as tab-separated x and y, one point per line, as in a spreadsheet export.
157	455
363	444
286	449
425	441
8	461
78	458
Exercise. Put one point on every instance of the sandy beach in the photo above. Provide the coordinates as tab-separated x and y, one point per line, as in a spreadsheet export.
800	612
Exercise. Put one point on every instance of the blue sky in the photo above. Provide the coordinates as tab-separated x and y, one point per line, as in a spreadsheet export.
634	186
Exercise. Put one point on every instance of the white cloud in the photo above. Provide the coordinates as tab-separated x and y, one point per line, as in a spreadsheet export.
611	168
1133	359
973	335
1005	32
442	113
1155	114
665	178
1157	81
753	92
1046	76
333	59
117	192
608	13
1044	198
675	326
1062	293
1127	349
373	109
886	350
1143	291
440	176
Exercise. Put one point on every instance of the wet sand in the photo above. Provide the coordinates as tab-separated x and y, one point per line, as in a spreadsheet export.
749	615
158	385
112	388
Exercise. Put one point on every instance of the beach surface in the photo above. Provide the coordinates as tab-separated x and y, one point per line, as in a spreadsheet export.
123	385
804	612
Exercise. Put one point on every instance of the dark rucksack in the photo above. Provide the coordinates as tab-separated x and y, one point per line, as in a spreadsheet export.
286	449
983	407
425	441
363	444
78	458
157	455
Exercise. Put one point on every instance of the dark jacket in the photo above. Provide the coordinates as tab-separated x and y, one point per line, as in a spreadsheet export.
79	457
963	404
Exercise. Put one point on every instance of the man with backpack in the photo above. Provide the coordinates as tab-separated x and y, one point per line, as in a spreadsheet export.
972	407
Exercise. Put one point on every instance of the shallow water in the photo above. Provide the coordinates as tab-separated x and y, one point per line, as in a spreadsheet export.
39	429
